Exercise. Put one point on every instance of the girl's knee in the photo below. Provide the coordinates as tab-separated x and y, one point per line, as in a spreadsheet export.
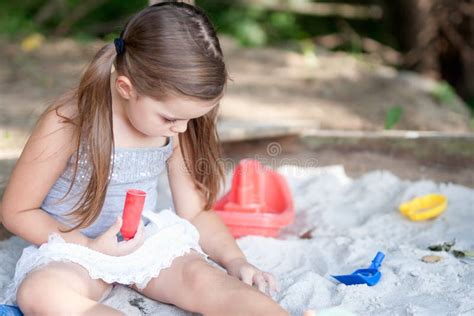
49	289
198	274
36	293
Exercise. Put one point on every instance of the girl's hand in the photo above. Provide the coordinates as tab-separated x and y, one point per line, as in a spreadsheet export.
108	244
248	273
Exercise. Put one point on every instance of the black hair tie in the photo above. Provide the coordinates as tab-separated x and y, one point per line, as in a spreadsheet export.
119	45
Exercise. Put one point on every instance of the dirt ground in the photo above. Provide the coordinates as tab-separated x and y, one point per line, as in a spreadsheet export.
330	90
441	161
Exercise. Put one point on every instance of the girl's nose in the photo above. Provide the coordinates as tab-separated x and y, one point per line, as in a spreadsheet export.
179	127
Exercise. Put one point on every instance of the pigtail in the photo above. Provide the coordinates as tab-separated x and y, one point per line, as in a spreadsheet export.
202	156
95	130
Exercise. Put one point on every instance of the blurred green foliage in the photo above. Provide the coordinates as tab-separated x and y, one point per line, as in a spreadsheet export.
15	19
249	24
444	93
7	135
20	18
255	26
392	117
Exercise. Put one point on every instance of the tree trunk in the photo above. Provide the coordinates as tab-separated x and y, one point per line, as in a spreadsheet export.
437	37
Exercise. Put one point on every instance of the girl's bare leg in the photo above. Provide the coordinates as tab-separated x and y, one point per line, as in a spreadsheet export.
63	288
194	285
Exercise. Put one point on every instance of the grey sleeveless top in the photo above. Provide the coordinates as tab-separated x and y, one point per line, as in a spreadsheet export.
134	168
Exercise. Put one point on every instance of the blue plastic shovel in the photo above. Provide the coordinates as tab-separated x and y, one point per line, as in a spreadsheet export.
368	276
10	310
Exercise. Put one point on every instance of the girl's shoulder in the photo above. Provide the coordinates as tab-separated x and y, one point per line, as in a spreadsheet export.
58	124
43	159
65	108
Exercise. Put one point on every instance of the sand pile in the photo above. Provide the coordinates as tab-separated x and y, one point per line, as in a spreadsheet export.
346	222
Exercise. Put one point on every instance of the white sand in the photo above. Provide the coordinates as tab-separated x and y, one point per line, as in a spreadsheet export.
353	219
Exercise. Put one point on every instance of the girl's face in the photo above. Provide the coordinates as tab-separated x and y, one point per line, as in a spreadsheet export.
165	118
157	118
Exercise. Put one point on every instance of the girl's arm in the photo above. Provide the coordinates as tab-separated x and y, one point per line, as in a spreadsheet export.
35	225
42	161
215	238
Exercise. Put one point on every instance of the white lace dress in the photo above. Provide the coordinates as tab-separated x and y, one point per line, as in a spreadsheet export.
167	235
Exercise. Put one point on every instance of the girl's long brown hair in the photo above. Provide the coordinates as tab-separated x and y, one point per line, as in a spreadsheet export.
171	49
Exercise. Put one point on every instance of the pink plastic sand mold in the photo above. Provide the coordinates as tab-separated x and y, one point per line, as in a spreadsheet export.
258	203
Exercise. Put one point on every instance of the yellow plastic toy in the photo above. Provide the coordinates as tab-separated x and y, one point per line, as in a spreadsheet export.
424	207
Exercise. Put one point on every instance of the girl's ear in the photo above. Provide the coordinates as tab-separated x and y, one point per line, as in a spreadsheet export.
125	88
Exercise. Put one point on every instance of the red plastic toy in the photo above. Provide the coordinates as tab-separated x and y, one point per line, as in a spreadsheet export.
132	212
258	203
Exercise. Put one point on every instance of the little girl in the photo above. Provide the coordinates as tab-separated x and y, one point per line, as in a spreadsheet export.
147	101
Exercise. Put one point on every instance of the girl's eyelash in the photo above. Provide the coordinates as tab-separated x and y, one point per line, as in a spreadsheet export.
171	121
168	120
